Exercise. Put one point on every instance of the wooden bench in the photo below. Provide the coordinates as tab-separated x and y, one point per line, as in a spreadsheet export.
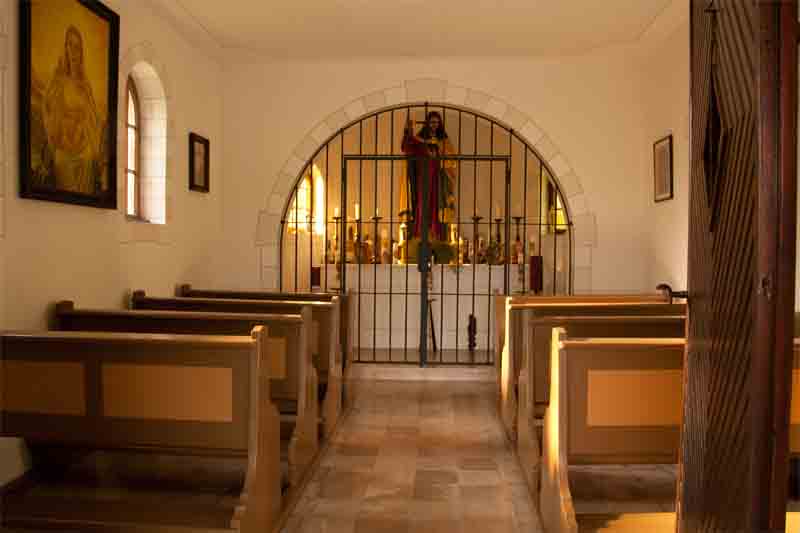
346	326
534	377
612	401
137	433
502	302
518	316
324	338
293	378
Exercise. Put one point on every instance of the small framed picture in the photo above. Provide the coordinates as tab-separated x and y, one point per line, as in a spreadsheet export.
662	169
198	163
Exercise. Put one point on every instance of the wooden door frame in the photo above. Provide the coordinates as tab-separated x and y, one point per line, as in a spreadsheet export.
771	363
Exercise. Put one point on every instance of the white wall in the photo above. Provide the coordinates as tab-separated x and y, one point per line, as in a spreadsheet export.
588	105
665	110
51	251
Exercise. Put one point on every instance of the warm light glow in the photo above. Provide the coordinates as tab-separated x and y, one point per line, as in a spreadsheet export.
319	201
297	216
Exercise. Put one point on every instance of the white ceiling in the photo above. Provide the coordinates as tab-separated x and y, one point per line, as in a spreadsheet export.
346	28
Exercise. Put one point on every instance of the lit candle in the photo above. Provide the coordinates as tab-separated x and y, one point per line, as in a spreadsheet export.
358	213
376	211
335	212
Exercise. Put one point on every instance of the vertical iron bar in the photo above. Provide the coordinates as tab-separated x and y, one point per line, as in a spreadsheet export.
491	267
441	267
296	231
525	251
311	205
408	201
280	262
422	264
326	181
458	221
476	227
343	234
555	249
571	260
539	224
507	250
360	235
375	241
391	214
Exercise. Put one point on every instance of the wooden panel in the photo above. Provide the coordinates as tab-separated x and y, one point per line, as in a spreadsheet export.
47	388
276	351
620	398
737	353
163	392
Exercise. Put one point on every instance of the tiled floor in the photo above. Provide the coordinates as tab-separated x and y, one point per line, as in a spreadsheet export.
417	457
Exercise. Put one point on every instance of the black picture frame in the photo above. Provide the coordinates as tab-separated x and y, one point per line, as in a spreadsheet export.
199	159
40	178
663	169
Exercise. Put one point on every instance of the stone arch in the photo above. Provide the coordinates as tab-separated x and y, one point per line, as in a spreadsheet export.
156	94
415	92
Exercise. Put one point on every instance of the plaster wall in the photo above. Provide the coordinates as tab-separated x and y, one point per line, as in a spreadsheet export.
665	110
582	111
52	251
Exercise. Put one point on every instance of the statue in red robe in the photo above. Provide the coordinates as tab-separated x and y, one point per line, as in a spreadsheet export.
430	141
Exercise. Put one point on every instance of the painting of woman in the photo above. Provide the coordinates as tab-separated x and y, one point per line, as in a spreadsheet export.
69	61
431	141
71	122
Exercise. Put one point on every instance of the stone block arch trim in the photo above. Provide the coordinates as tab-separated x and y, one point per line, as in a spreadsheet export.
419	91
157	95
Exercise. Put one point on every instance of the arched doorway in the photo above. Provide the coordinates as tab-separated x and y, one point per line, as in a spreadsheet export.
509	232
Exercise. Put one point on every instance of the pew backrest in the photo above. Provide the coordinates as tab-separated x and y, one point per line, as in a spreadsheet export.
287	339
536	337
324	337
121	390
187	291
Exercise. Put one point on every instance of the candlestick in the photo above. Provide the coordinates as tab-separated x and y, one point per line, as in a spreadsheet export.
475	221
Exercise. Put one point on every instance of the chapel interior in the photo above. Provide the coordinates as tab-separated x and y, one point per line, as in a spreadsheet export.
371	267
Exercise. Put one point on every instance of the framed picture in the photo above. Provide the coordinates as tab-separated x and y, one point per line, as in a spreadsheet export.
69	54
662	169
198	163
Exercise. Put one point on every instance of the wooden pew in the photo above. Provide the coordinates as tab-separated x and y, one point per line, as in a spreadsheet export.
519	314
612	401
346	326
325	345
293	378
132	433
501	302
534	377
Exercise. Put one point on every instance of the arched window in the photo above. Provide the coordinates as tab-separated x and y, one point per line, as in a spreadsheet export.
132	170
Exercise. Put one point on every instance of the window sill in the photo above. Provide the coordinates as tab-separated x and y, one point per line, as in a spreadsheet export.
136	229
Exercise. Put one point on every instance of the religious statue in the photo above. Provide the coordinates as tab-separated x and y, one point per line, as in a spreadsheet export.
430	141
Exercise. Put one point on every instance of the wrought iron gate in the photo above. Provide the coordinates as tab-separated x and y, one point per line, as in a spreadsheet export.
343	231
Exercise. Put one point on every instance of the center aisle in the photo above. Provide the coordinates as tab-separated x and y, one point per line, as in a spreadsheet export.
417	457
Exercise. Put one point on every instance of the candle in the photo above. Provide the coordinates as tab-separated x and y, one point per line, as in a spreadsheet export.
336	212
358	213
496	211
376	211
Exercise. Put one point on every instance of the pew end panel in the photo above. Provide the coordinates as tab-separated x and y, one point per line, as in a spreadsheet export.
516	343
292	387
613	401
146	410
555	501
324	332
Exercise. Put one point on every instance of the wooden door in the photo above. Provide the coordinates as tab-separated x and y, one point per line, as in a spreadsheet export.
742	213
